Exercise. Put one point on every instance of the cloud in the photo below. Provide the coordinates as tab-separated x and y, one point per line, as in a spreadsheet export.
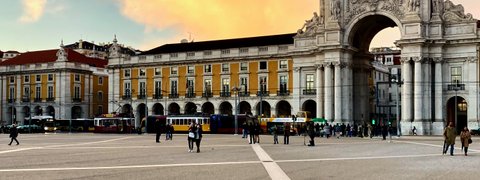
32	10
219	19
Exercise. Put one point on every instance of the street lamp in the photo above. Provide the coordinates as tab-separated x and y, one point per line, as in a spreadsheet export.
397	109
235	90
28	97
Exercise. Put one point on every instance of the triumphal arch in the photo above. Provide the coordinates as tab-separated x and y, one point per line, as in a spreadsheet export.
439	61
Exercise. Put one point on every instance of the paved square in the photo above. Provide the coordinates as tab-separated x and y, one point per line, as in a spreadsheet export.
118	156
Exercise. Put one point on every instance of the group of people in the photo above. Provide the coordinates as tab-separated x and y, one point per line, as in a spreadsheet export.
195	134
251	131
450	134
159	128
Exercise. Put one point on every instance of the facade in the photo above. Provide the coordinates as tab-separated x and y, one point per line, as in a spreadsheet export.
90	49
206	77
59	82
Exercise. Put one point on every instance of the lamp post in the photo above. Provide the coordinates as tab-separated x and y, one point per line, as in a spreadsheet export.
28	97
456	88
235	90
397	109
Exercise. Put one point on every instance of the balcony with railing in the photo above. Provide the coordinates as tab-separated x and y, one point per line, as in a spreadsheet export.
207	94
225	94
126	97
174	95
11	100
25	100
309	92
283	93
456	87
50	99
190	95
141	96
76	99
244	93
37	100
263	93
157	96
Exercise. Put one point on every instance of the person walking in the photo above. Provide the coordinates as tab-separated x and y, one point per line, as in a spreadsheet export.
465	139
251	131
286	133
13	134
311	132
244	130
449	134
327	130
198	136
275	134
191	136
414	130
158	130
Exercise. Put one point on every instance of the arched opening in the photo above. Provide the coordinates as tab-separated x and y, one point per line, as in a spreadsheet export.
76	112
173	109
460	109
158	109
13	115
190	108
38	111
311	106
265	106
127	111
245	108
141	111
283	109
226	108
208	108
51	111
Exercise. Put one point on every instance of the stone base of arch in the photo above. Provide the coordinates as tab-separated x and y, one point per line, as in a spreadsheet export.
423	128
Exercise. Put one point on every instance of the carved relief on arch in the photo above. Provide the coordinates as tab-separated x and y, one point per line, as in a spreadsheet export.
357	7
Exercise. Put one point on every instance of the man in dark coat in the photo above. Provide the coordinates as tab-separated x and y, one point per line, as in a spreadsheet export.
13	134
158	130
286	133
311	132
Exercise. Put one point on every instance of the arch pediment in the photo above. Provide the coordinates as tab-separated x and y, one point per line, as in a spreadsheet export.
356	8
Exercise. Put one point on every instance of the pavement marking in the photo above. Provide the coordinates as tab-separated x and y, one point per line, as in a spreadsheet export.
137	147
128	167
433	145
273	170
62	145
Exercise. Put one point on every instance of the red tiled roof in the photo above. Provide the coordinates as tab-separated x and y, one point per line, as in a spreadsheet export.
47	56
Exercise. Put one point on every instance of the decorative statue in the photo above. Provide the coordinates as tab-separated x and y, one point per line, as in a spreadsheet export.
335	9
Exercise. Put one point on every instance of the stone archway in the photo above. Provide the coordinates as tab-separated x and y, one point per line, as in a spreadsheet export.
265	106
208	108
173	109
51	111
127	111
245	108
311	106
431	34
284	109
190	108
158	109
76	112
226	108
38	111
141	111
459	110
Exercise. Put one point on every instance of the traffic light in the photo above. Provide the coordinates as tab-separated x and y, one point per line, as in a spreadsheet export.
373	121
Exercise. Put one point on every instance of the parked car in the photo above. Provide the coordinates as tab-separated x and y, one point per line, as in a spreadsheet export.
25	128
475	131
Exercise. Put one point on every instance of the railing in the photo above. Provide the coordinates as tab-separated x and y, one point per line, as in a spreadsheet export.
243	93
264	93
207	94
37	100
50	99
456	87
283	93
157	96
126	97
76	99
25	99
175	95
309	92
141	96
11	100
190	95
225	94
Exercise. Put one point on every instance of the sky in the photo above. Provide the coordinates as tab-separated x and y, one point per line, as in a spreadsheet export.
29	25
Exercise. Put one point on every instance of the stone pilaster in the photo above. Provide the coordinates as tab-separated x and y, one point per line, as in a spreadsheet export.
319	88
418	90
328	92
338	92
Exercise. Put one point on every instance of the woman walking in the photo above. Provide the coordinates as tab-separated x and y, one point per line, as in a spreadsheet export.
13	134
198	136
192	129
464	138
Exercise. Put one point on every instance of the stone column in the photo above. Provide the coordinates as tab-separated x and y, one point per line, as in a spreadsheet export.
319	89
438	100
348	94
407	91
338	92
328	92
418	90
297	89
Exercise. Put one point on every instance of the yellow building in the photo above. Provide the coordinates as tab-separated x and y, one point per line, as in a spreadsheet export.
191	77
61	83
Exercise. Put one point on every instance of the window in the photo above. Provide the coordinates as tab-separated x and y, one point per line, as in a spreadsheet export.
77	78
26	79
208	86
243	50
158	88
50	92
190	86
142	89
225	67
38	92
100	96
190	54
310	82
207	53
191	69
100	80
225	85
456	74
243	84
225	51
141	72
174	55
38	78
283	64
12	79
282	48
174	87
142	57
100	110
158	71
174	70
283	83
157	57
12	93
208	68
77	92
50	77
262	49
26	92
127	87
126	73
263	65
263	84
243	66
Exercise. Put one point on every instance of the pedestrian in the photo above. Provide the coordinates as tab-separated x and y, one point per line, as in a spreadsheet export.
286	133
244	130
327	130
275	134
257	130
311	132
414	130
251	131
465	138
198	136
167	132
370	131
191	135
158	130
13	134
384	132
449	134
172	130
